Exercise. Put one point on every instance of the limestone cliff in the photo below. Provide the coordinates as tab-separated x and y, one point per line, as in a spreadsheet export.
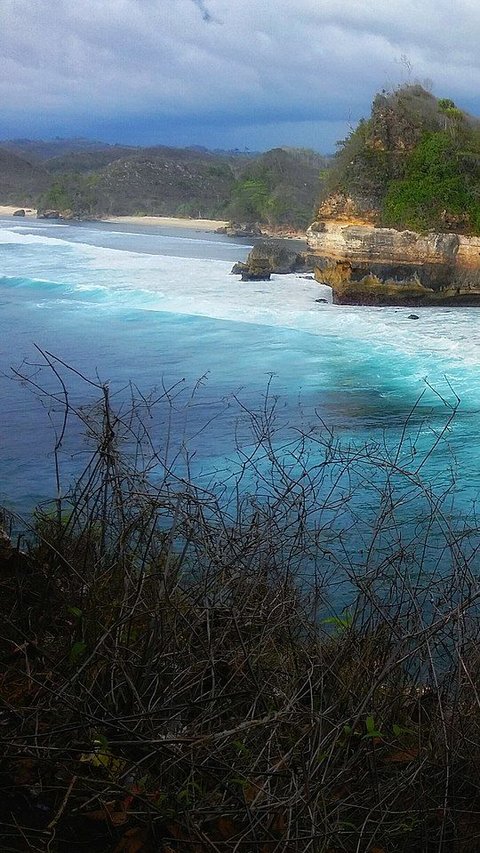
393	224
383	266
341	207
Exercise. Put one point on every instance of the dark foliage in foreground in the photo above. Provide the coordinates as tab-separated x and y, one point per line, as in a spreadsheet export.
178	672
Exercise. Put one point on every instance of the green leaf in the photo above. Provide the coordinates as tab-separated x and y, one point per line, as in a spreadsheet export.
398	731
100	742
340	622
240	747
372	730
77	651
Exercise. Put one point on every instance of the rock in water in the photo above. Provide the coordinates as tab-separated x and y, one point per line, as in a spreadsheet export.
19	212
413	317
257	270
278	258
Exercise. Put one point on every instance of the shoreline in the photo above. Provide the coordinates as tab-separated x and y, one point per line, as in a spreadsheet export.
169	221
210	225
203	225
9	210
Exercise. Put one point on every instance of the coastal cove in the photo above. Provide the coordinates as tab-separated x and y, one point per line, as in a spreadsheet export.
158	307
239	427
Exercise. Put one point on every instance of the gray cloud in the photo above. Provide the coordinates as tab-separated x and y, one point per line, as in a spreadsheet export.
206	15
255	64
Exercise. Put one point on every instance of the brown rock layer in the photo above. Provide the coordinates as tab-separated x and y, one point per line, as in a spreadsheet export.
382	266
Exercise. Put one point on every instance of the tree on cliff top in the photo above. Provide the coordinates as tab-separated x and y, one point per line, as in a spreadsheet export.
414	162
440	188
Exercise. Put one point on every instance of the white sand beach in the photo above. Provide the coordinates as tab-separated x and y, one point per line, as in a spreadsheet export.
169	221
202	225
9	210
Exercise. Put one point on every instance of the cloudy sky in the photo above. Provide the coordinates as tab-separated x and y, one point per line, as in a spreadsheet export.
225	73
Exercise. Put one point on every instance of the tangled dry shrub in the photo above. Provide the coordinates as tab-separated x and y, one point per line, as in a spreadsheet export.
180	673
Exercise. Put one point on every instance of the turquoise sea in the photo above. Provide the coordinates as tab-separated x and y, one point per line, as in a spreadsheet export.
159	307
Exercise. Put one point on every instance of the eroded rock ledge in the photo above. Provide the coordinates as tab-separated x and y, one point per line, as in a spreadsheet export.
366	265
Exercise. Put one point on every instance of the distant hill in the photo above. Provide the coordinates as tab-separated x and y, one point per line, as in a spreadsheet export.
90	160
39	150
94	179
165	182
21	182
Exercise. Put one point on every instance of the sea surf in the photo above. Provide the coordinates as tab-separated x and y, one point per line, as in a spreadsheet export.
159	308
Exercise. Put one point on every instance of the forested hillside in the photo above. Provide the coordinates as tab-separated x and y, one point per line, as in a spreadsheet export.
279	186
93	179
21	181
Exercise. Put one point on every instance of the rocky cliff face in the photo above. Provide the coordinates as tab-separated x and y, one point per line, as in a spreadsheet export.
341	207
369	265
411	167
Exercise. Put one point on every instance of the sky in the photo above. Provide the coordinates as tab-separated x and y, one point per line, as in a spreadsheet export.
247	74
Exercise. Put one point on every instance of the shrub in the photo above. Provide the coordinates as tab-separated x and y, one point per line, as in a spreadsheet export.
188	668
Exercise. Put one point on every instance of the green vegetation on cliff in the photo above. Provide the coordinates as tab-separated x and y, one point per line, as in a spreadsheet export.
441	186
415	163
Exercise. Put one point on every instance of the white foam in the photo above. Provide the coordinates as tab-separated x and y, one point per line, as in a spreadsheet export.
204	287
115	258
172	238
13	235
39	225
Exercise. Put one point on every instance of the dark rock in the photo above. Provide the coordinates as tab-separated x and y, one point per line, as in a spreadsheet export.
318	227
413	317
20	212
234	229
248	275
279	258
274	256
49	214
253	270
257	270
322	301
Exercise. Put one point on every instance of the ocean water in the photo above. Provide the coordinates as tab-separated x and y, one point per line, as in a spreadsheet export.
159	308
